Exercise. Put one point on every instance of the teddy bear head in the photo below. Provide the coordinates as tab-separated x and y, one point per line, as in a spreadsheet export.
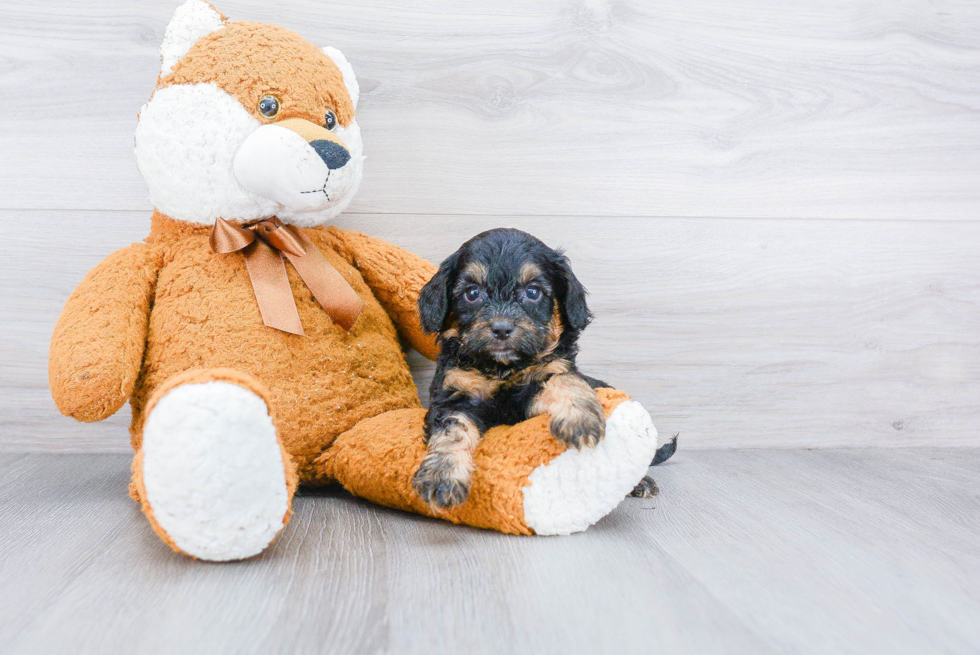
248	121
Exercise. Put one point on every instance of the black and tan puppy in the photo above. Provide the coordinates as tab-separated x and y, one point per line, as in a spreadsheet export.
508	310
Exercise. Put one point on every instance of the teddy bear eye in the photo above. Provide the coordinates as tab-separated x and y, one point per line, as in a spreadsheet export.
269	106
330	120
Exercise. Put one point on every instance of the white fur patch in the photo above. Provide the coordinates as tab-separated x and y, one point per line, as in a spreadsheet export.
579	487
278	164
191	21
342	185
213	471
350	80
187	141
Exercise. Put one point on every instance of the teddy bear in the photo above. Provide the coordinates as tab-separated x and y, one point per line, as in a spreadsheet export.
261	348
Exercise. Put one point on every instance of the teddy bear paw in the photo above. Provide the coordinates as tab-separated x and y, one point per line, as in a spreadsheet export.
213	472
577	488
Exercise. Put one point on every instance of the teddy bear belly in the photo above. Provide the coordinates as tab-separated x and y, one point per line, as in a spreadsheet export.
320	385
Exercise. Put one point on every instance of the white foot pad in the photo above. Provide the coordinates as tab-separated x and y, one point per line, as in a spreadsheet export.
213	471
579	487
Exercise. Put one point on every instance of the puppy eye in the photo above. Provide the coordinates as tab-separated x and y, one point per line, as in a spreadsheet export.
532	292
472	294
330	120
269	106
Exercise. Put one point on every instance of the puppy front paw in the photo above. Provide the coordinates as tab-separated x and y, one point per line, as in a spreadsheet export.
576	414
439	482
579	426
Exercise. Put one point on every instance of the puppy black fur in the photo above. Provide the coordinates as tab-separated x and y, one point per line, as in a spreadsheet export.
509	311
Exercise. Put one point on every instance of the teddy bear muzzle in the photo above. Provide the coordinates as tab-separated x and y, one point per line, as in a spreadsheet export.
295	163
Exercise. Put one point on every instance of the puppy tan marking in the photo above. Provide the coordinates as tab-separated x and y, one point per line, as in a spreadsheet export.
539	372
529	272
446	473
555	330
476	272
576	415
470	382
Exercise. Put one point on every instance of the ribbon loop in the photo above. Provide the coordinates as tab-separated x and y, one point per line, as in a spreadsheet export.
279	236
226	237
263	245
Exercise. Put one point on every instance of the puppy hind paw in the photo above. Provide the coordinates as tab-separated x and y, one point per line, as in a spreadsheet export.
647	488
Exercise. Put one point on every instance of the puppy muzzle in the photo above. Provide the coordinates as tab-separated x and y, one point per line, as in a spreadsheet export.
502	339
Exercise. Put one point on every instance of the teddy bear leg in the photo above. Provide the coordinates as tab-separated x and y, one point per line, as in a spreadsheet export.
211	474
525	481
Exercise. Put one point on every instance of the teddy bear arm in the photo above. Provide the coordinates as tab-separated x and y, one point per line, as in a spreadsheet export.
98	341
396	277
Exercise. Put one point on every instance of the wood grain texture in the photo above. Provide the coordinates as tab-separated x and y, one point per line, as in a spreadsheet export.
733	332
584	107
852	551
612	128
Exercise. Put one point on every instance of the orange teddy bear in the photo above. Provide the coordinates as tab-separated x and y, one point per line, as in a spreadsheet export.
248	377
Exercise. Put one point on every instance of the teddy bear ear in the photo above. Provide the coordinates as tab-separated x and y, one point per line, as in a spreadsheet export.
192	20
350	80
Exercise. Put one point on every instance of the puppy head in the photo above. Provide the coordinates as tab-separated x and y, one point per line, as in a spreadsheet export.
506	297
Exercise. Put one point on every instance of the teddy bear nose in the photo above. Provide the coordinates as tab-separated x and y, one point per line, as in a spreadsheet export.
502	328
333	154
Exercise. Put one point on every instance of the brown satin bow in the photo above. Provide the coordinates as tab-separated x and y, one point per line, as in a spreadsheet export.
263	244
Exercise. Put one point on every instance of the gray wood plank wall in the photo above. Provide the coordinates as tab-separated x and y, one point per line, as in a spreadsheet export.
775	205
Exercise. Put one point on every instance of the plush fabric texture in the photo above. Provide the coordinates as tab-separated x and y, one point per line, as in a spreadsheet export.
505	460
191	21
97	345
204	315
577	488
137	488
304	78
320	385
350	80
214	473
201	113
175	328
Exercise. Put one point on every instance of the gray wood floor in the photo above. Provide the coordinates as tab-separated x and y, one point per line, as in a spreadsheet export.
745	551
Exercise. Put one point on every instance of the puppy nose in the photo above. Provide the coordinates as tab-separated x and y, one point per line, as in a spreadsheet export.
502	328
333	154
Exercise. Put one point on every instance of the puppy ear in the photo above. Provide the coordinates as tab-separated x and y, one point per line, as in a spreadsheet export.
434	297
571	296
